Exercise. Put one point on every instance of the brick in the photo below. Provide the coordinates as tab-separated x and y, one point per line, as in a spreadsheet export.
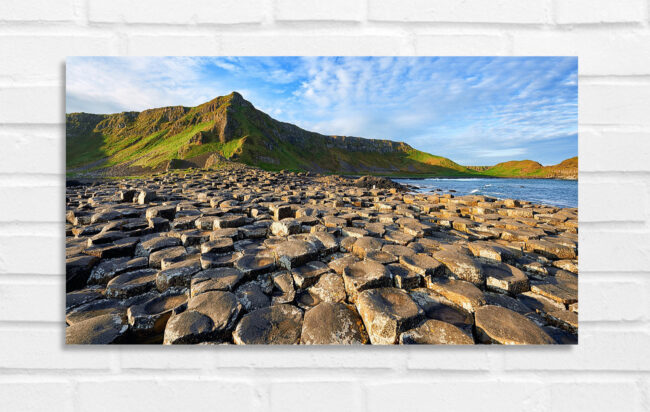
37	10
420	358
193	394
36	104
609	151
612	300
313	45
455	395
290	396
599	11
471	11
43	57
29	396
39	302
617	104
613	251
600	52
28	204
151	357
599	350
461	44
201	11
602	396
288	357
625	200
171	45
17	254
40	148
339	10
22	348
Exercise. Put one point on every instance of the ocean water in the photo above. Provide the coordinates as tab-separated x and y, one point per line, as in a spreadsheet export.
563	193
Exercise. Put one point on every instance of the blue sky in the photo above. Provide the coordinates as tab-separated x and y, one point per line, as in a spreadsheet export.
474	110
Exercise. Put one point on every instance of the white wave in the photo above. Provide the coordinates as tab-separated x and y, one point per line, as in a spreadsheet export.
474	191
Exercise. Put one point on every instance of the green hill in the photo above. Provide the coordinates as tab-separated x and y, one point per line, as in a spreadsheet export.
567	169
148	141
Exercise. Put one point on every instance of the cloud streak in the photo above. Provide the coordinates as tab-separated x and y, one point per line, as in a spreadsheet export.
473	110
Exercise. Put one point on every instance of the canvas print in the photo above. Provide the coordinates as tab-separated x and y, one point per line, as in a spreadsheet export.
321	200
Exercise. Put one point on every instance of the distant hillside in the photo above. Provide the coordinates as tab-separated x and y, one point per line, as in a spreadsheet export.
567	169
230	126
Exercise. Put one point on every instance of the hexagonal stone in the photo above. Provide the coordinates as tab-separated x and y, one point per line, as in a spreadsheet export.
229	221
462	266
131	283
422	264
329	242
95	308
499	299
253	264
146	196
294	253
148	320
273	325
504	278
399	237
285	227
366	244
108	269
404	278
223	310
365	275
338	265
329	288
551	249
177	274
559	291
398	250
332	324
80	297
458	292
77	271
99	330
309	273
169	253
146	247
495	324
564	319
232	233
166	212
387	312
220	245
538	303
189	327
435	332
225	279
382	257
218	260
283	290
437	307
252	296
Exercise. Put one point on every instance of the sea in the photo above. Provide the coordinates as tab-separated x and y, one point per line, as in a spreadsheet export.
553	192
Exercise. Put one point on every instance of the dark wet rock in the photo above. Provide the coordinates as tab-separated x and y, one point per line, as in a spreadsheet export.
495	324
274	325
386	313
332	323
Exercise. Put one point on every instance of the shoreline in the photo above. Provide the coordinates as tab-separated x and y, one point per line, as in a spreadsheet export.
147	259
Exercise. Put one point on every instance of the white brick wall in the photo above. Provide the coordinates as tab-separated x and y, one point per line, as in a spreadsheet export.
610	368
